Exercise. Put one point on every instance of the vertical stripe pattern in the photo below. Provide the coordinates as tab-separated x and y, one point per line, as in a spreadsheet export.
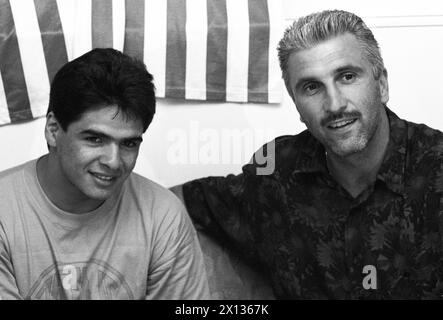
66	10
155	47
118	24
238	51
4	114
52	35
102	24
31	53
11	67
216	53
276	29
196	36
215	50
258	50
176	49
134	28
82	41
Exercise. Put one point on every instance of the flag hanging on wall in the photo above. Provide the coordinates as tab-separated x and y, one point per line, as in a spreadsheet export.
214	50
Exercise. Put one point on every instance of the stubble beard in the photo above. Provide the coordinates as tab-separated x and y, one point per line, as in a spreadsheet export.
356	143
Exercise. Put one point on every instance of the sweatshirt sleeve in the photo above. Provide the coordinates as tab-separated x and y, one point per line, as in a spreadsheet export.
8	285
177	269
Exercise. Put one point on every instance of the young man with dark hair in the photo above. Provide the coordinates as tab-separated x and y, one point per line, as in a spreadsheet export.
77	223
354	207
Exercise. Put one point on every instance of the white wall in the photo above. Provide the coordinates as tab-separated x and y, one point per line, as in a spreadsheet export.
410	34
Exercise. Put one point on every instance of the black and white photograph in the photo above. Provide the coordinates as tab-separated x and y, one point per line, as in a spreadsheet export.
221	150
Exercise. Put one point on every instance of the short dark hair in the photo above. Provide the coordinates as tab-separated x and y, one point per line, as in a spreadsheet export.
99	78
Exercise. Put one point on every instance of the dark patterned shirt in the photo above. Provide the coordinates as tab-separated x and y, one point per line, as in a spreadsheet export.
314	239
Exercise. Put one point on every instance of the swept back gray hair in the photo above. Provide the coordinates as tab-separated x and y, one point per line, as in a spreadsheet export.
310	30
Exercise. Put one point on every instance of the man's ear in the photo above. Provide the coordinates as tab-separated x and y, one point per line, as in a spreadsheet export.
384	86
52	129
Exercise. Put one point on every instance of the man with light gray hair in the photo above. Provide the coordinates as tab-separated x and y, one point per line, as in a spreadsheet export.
354	207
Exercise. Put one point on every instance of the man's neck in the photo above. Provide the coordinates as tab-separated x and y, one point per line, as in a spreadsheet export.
59	190
357	171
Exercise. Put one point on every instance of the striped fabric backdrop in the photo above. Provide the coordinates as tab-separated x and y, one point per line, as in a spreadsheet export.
218	50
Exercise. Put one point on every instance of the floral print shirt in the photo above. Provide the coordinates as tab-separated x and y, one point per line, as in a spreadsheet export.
314	240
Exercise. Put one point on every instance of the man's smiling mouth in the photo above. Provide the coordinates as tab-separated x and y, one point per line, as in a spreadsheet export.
103	177
341	123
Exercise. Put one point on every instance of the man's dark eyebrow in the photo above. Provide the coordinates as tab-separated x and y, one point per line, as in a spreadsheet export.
137	139
93	132
349	68
302	81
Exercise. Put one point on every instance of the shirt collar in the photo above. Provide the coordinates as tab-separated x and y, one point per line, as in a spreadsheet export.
392	169
311	155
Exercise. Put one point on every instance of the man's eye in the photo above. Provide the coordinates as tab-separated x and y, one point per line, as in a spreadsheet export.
95	140
311	88
130	144
348	77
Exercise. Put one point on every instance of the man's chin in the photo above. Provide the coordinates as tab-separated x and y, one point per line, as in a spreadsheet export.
348	149
101	192
99	195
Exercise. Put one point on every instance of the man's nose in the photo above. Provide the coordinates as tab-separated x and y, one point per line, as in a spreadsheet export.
335	100
111	156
